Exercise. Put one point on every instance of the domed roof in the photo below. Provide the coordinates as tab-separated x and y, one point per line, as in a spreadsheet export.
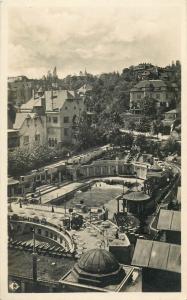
136	196
98	261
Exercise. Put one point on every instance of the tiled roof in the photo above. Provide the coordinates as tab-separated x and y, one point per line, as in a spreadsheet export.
54	100
20	118
59	97
147	83
30	104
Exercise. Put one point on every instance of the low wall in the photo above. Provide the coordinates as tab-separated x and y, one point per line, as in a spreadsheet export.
112	168
62	238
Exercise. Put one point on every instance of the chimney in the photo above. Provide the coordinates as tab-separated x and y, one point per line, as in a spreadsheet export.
33	92
43	103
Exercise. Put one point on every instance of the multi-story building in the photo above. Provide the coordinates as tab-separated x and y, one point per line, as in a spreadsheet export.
151	89
32	128
19	90
49	117
63	110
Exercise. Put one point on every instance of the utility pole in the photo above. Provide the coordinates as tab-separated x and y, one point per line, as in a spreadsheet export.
34	258
65	207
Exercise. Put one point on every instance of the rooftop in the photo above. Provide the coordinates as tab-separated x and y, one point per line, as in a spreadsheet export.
98	261
169	220
12	181
54	100
149	83
173	111
157	255
20	118
136	196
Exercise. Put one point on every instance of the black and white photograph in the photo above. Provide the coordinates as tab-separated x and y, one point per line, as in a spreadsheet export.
93	131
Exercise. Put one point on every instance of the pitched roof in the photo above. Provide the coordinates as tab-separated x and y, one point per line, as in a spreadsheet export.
54	100
169	220
30	104
84	88
20	118
157	255
173	111
12	181
147	83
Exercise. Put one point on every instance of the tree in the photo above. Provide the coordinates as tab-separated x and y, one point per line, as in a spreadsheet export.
22	160
127	139
149	107
144	125
157	127
171	146
141	142
132	125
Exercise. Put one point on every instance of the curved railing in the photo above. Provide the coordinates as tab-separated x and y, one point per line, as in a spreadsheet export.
63	238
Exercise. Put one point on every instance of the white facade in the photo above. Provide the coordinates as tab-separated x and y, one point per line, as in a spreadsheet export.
32	129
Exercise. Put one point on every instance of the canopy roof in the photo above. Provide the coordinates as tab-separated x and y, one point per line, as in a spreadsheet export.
157	255
136	196
169	220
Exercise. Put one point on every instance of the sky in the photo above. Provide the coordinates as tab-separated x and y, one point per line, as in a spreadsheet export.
102	38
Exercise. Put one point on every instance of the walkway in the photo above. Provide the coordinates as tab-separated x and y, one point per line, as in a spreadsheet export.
59	192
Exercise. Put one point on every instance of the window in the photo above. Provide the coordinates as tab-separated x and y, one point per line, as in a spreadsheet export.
66	119
139	96
66	131
46	234
66	107
157	96
26	139
74	107
49	119
52	143
39	231
55	120
37	137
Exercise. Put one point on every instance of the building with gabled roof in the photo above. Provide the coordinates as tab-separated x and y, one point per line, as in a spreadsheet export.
84	89
150	89
31	127
62	110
